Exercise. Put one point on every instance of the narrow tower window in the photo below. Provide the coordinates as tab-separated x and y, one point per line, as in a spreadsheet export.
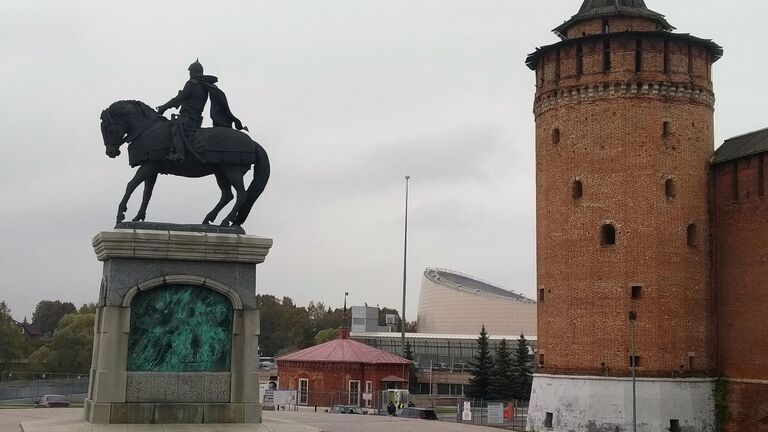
669	188
636	291
548	420
761	175
557	65
666	128
605	26
634	361
541	295
579	59
674	426
607	235
555	136
692	235
638	55
541	360
577	189
690	58
667	63
606	55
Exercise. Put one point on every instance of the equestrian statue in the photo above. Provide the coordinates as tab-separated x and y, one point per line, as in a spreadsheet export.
181	147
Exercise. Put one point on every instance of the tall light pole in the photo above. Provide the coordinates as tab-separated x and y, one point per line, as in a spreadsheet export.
632	319
405	262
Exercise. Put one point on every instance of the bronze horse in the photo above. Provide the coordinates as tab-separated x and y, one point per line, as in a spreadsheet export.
223	152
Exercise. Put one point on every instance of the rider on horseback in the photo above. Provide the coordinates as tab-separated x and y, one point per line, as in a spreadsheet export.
192	99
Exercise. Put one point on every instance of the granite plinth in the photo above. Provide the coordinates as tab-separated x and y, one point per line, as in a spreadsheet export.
176	332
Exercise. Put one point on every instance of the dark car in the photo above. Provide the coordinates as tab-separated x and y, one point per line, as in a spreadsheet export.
417	413
52	401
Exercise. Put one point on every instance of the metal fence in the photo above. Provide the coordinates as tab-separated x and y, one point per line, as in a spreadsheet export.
26	387
505	414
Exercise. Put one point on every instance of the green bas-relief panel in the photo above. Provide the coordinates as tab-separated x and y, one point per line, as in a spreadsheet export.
180	328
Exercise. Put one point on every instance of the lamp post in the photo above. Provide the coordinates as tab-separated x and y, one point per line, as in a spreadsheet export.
405	260
632	319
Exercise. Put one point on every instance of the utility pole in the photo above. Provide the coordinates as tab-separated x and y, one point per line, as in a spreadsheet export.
632	319
405	262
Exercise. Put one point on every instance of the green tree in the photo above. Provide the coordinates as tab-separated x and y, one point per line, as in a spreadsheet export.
11	340
48	313
413	380
480	368
522	372
502	385
326	335
71	347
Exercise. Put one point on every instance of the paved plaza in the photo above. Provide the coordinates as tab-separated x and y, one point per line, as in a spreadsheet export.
69	420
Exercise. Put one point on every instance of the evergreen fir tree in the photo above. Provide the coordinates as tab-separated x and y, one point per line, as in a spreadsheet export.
522	372
413	386
502	386
482	365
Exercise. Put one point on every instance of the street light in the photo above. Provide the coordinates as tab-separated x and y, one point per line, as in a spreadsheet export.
632	319
405	256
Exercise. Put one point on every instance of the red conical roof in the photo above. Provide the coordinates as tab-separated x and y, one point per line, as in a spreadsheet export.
344	351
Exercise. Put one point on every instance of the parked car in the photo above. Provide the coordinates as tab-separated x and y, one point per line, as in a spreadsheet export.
52	401
348	409
417	413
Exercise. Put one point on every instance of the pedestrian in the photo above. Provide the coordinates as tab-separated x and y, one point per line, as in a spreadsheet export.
391	409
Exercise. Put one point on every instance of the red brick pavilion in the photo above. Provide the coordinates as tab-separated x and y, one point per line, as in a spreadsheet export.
342	371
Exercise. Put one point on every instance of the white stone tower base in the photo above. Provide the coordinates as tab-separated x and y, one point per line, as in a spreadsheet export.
604	404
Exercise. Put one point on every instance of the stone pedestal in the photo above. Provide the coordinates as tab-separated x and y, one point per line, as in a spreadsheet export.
176	332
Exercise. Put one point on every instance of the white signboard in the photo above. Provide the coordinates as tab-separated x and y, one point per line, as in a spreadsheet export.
367	396
495	413
466	415
284	397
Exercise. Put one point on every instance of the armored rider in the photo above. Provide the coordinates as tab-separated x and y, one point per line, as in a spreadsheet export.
192	99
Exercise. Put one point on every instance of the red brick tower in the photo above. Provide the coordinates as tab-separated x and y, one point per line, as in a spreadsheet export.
624	135
740	215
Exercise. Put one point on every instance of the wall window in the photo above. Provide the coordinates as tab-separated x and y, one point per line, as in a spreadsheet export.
354	392
368	393
674	426
606	27
606	55
541	295
669	188
548	420
577	189
636	361
541	360
692	235
555	136
579	59
607	235
303	391
636	291
666	128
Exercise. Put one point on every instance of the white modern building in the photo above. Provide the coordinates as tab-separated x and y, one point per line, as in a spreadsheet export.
455	303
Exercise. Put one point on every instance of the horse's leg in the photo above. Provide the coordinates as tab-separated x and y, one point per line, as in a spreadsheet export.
149	185
234	174
226	197
141	175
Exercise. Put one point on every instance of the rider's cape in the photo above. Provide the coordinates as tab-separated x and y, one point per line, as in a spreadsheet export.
221	114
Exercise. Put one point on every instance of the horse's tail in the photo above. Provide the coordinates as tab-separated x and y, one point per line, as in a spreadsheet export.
259	182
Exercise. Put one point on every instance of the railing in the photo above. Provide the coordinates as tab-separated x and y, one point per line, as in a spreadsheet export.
505	414
25	388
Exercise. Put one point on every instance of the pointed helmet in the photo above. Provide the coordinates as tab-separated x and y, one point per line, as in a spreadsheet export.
196	69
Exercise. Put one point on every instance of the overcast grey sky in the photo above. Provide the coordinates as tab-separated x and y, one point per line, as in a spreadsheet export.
347	96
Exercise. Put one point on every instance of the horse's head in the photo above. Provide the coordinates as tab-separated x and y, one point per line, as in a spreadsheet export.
120	121
113	132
